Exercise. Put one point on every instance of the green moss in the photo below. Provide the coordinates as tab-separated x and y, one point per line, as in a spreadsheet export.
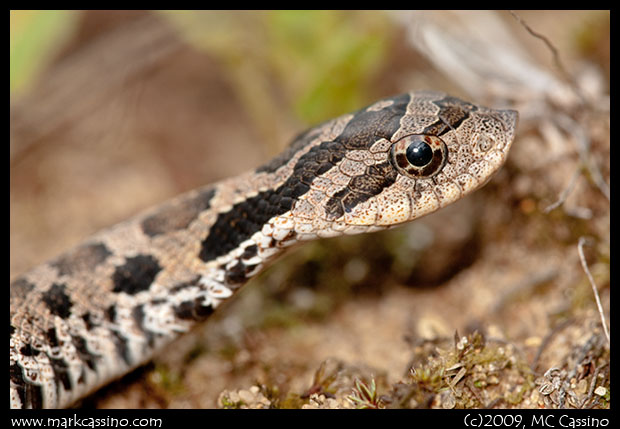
36	36
169	381
227	403
291	401
471	363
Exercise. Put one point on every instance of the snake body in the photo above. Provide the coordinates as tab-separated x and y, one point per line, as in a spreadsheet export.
107	306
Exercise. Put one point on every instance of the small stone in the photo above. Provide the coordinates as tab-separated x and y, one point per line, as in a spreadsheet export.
448	401
533	341
573	400
234	397
600	391
430	327
246	396
582	386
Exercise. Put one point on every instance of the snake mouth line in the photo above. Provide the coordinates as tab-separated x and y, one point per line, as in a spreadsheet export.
509	120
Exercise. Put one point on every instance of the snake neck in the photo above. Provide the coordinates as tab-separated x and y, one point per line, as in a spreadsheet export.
143	300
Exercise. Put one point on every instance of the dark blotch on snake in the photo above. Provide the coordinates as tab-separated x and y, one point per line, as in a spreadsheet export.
238	273
245	218
20	288
34	395
30	395
122	349
52	337
57	300
16	375
451	115
83	258
193	310
28	350
138	315
248	217
250	252
61	373
178	215
136	275
110	313
84	354
88	320
360	188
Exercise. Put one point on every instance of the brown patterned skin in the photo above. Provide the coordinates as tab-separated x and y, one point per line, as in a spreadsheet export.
107	306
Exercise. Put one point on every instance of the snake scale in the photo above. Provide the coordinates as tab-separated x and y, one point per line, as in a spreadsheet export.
108	305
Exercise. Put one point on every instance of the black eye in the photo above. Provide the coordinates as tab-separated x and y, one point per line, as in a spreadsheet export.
419	153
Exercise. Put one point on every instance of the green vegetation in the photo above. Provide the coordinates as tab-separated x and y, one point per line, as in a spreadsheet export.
322	61
36	36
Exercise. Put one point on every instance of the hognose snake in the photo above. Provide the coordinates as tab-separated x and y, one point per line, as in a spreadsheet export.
105	307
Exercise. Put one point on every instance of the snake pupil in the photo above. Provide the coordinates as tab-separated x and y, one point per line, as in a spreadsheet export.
419	153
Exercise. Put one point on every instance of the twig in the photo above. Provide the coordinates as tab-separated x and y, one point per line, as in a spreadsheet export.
556	56
87	79
523	287
589	345
545	342
582	241
470	385
581	136
583	147
592	385
493	403
566	192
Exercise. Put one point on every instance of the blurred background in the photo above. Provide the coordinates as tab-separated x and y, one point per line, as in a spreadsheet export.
114	111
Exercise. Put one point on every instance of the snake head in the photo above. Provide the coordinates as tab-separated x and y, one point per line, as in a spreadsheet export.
397	160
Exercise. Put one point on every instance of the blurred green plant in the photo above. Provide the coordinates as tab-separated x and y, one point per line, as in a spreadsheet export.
326	59
364	395
317	64
36	36
320	63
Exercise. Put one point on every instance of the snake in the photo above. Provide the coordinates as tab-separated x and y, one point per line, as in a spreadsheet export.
111	303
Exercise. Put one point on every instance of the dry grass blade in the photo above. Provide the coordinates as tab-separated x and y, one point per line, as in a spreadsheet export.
556	55
582	241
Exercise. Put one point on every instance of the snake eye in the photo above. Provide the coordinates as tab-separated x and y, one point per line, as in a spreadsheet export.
419	155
